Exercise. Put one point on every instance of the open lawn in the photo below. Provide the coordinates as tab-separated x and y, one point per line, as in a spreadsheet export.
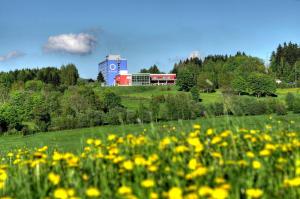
72	140
132	96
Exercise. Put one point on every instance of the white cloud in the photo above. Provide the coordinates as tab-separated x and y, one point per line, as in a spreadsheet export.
194	54
11	55
81	43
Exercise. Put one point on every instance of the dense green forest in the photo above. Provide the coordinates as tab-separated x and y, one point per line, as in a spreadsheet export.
51	98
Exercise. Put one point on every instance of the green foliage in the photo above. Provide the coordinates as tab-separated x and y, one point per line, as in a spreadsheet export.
100	78
186	78
296	105
195	94
116	116
143	113
257	84
4	93
285	62
280	108
261	84
179	106
154	106
34	85
111	100
69	74
9	117
205	82
153	70
290	100
216	109
49	75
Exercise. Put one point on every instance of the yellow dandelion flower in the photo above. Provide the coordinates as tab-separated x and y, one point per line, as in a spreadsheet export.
196	126
254	193
61	193
265	153
92	192
250	154
256	164
216	140
124	190
209	131
90	141
128	165
3	175
205	191
175	193
219	193
153	195
53	178
1	185
147	183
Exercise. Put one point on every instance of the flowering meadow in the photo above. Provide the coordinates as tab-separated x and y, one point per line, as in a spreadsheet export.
200	163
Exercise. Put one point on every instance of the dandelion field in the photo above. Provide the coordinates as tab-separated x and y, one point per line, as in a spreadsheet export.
201	162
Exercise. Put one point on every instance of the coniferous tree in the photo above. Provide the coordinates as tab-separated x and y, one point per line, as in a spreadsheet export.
100	78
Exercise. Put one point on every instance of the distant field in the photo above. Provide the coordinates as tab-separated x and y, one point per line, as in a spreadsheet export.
132	96
72	140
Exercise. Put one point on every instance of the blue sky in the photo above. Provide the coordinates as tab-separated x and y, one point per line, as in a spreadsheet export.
38	33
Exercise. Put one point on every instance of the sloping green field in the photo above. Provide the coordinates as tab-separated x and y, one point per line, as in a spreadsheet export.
72	140
133	95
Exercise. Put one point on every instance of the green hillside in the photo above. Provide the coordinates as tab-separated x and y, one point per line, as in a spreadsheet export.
133	95
72	140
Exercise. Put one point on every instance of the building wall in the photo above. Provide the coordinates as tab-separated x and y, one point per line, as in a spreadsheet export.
140	79
110	68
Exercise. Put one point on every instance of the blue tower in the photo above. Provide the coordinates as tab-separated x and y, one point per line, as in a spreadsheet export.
112	66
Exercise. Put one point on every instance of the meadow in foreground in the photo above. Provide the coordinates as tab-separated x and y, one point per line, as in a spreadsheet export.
202	163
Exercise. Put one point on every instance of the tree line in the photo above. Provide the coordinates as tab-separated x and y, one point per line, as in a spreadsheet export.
241	73
66	75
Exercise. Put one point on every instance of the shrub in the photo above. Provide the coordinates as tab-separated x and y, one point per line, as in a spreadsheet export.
281	109
249	106
216	109
116	116
257	107
290	100
195	93
179	107
296	106
63	122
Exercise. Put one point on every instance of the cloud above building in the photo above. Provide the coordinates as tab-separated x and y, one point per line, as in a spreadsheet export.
11	55
80	44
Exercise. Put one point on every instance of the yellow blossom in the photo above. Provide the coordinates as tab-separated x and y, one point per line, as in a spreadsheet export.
175	193
153	195
192	164
265	153
54	178
61	193
124	190
256	164
196	126
92	192
147	183
128	165
250	154
205	191
254	193
219	193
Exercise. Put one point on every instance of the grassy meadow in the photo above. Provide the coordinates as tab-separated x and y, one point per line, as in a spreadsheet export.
132	96
223	157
